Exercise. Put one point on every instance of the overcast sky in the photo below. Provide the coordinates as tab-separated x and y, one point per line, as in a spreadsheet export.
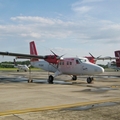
70	27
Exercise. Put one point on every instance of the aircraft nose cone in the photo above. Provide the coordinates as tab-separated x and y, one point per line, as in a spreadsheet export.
99	70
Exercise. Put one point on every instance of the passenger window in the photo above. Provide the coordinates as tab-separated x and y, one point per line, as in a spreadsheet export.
59	63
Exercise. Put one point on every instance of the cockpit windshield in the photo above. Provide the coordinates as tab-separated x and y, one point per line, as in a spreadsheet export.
83	60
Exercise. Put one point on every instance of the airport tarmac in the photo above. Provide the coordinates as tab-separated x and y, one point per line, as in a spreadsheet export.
65	99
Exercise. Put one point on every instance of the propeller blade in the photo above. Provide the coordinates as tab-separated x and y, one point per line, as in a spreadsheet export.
58	57
95	57
99	56
54	53
91	55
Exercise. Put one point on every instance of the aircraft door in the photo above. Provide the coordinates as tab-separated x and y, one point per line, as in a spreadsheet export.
78	67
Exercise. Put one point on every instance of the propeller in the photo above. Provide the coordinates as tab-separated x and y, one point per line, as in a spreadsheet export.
95	57
54	53
58	57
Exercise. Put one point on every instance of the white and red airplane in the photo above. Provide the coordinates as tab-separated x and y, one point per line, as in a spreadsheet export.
93	59
53	63
115	65
19	66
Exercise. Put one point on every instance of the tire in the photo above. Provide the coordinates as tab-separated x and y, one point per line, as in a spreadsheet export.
30	81
89	80
74	77
50	79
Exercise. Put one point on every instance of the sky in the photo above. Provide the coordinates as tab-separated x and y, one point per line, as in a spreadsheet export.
70	27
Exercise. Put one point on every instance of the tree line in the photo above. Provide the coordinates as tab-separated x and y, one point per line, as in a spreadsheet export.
9	64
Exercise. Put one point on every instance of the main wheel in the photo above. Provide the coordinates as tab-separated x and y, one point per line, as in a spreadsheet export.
50	79
30	81
74	77
89	79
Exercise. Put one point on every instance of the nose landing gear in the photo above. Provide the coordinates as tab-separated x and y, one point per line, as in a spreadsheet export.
89	80
74	77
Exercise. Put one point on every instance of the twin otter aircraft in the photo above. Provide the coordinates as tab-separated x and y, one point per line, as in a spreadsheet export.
18	66
53	63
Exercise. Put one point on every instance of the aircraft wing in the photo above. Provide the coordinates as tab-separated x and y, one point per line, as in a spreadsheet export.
19	55
107	58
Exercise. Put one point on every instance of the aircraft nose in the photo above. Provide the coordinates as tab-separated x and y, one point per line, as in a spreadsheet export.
99	70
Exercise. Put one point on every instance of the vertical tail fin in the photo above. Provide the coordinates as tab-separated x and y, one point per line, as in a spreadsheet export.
33	51
117	54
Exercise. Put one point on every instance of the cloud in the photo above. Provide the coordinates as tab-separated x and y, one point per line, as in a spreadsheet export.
91	1
32	34
83	31
81	2
40	20
84	6
82	9
79	8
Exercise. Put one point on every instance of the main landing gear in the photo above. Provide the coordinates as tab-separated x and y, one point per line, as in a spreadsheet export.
50	79
74	77
89	80
30	81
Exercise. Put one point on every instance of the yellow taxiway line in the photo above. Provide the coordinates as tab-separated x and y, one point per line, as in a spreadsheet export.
58	107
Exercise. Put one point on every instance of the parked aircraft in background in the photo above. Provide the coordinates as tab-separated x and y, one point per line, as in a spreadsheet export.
18	66
117	54
53	63
112	65
93	59
115	65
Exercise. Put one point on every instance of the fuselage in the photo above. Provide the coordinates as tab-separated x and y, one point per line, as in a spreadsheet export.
70	66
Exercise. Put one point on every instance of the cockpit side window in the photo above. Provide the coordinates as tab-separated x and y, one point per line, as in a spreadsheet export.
77	62
82	60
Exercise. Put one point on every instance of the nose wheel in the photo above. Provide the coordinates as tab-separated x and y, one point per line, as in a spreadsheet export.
74	77
89	80
50	79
